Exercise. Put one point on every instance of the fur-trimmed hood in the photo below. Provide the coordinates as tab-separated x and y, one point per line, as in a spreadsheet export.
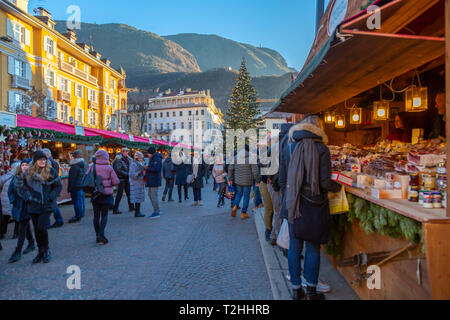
295	133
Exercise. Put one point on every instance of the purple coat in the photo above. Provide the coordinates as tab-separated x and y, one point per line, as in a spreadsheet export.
104	170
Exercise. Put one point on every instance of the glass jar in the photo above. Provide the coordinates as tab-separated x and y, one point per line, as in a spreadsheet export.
437	199
441	181
442	168
429	182
428	200
413	194
414	180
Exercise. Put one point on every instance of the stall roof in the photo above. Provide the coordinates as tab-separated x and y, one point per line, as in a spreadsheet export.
37	123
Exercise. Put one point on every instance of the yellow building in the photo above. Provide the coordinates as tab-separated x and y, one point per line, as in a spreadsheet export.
80	87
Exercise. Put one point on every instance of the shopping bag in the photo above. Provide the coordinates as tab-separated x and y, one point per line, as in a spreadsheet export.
229	192
338	202
283	236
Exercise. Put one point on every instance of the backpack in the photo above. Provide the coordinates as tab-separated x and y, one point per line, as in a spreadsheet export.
92	183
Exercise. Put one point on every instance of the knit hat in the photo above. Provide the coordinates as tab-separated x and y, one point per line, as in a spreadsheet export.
38	155
125	149
151	150
77	154
26	160
139	154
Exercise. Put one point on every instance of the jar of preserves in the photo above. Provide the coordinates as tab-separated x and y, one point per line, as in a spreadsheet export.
413	194
437	199
429	182
414	180
428	200
441	181
421	197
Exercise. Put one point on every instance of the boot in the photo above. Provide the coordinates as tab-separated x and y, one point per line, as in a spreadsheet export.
244	215
312	294
31	247
299	294
138	213
15	257
163	198
131	208
47	256
38	258
234	211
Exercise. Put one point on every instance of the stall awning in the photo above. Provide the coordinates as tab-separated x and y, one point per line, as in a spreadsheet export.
361	62
37	123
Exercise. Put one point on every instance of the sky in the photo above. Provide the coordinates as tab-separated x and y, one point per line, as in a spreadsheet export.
287	26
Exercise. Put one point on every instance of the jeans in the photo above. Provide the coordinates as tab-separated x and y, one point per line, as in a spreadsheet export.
311	265
169	187
258	198
57	215
185	186
242	191
78	203
153	195
24	232
40	229
123	185
221	192
100	211
197	194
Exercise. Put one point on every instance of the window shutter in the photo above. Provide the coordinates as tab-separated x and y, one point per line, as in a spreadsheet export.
9	28
29	74
54	47
11	99
45	43
27	37
11	65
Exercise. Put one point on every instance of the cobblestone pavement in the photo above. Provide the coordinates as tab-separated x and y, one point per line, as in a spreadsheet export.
189	253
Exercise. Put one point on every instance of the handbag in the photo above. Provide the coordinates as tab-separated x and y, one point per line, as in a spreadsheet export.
92	183
283	236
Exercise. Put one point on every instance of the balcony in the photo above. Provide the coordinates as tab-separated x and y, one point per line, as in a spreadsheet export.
64	96
92	104
67	67
20	82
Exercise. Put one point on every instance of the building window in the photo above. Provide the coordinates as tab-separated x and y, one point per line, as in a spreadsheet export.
167	114
174	126
51	78
181	113
108	100
203	112
64	85
79	90
160	114
196	112
79	115
203	124
63	112
92	95
190	113
113	84
161	126
190	125
149	116
167	126
182	125
20	68
181	138
50	46
156	115
173	114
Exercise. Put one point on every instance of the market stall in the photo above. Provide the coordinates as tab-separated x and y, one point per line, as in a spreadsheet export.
361	80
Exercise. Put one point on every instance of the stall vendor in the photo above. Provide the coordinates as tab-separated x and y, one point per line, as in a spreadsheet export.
400	132
437	117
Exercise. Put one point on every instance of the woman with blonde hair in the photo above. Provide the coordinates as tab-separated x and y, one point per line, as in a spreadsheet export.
137	187
40	187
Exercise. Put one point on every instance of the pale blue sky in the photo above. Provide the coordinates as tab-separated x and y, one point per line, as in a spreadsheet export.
287	26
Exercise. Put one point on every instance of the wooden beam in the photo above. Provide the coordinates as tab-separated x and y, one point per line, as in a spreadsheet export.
447	88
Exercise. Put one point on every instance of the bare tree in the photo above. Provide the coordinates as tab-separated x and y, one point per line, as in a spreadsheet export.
138	113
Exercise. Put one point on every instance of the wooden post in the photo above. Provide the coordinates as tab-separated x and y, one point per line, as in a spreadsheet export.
447	88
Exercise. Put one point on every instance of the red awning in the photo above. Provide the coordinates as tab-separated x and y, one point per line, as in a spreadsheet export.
37	123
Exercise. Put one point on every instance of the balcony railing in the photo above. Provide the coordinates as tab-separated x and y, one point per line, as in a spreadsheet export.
64	96
67	67
20	82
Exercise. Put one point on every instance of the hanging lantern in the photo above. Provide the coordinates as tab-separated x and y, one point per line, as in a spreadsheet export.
58	145
329	117
44	141
339	122
110	150
356	116
416	99
381	110
73	145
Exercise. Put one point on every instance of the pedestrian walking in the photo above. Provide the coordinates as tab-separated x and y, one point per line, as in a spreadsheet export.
197	170
40	187
103	202
77	171
59	222
243	172
121	166
306	168
19	212
168	172
181	173
6	206
153	177
137	187
219	174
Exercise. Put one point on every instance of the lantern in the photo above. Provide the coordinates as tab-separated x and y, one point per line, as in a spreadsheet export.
356	116
73	145
381	110
58	145
339	122
416	99
110	150
329	117
44	141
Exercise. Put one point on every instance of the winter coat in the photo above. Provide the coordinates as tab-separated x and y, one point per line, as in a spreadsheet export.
122	167
153	174
76	173
104	170
198	181
218	172
17	200
54	165
168	168
137	189
299	132
244	174
181	173
40	196
5	181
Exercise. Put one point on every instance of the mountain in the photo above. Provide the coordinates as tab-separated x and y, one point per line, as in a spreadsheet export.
212	51
220	81
136	50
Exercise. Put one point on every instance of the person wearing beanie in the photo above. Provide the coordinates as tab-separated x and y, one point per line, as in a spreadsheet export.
57	213
77	171
104	201
121	166
40	187
19	212
137	188
153	179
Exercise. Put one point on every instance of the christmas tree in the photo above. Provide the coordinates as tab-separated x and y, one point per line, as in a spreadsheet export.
243	112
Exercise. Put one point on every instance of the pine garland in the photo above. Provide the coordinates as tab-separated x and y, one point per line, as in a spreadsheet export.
372	218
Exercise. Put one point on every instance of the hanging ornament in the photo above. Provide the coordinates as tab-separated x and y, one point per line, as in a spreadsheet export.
39	134
23	142
2	138
29	135
11	137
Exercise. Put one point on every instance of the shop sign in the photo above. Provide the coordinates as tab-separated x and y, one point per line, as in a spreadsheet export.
79	131
8	119
337	15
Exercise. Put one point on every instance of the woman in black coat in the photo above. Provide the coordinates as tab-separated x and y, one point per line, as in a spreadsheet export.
198	171
181	173
40	188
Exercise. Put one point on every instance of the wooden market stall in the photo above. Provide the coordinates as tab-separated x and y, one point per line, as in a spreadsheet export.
357	66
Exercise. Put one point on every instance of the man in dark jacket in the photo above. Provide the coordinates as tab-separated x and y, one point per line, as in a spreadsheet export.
57	213
168	171
77	171
153	177
121	166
